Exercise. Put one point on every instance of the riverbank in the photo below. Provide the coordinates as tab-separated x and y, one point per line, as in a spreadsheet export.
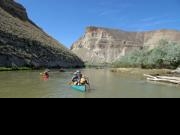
27	68
136	71
14	69
139	71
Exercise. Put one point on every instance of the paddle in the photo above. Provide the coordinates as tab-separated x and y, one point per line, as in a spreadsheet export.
89	86
88	83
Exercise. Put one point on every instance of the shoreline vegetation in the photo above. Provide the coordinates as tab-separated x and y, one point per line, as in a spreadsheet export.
14	69
156	64
28	68
165	55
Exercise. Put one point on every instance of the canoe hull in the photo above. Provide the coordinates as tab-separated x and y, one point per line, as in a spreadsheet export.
81	88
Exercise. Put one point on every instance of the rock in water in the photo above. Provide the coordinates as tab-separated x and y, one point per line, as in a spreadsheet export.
103	45
23	43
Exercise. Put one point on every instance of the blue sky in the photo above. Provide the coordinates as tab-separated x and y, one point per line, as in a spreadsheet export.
66	20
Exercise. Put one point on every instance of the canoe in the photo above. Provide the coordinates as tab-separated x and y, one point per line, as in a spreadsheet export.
81	88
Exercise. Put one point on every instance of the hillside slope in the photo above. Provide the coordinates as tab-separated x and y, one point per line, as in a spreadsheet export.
24	44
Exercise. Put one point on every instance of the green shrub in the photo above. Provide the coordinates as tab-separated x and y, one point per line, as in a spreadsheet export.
166	55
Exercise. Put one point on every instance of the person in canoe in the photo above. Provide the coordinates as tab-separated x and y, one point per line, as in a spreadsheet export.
45	74
79	79
84	80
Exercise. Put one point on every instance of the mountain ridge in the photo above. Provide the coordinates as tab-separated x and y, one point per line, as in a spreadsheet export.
105	45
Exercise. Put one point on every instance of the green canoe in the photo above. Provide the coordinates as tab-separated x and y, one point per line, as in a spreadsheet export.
81	88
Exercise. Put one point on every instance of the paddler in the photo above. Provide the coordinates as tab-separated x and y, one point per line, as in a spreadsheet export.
45	74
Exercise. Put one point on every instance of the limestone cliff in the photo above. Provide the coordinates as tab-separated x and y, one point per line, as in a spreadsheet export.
23	43
102	45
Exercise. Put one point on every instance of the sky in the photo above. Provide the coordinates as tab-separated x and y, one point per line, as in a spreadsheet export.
66	20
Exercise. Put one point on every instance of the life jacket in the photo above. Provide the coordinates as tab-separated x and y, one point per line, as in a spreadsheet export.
83	80
46	75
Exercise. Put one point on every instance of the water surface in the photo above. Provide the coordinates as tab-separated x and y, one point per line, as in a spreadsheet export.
104	84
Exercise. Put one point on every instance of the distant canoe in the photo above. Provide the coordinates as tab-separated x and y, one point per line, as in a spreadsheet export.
81	88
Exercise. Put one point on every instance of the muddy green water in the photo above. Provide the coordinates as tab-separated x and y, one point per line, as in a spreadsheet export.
105	84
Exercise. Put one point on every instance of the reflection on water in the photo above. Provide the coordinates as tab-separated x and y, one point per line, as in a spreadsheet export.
104	84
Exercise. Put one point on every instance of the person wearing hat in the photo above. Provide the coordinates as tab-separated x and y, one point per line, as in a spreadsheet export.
45	74
79	74
77	77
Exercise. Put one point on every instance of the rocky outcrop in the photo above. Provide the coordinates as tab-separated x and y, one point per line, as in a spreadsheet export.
15	9
102	45
151	38
23	43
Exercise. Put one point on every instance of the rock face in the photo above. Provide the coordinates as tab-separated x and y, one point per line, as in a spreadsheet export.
102	45
14	9
24	44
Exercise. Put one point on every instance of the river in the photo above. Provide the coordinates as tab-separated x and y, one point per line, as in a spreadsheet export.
104	84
